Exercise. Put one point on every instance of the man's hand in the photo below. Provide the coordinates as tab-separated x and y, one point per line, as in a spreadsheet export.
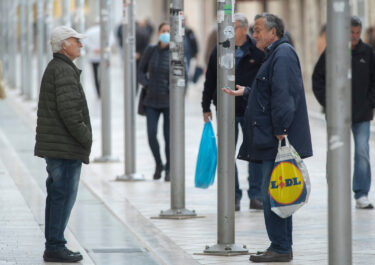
280	137
239	92
207	116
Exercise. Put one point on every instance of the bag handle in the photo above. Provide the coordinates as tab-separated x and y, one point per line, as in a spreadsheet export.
286	142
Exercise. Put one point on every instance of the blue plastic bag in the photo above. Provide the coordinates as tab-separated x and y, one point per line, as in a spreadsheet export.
207	158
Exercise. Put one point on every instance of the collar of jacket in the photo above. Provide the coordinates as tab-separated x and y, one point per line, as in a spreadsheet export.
358	47
250	45
270	48
68	61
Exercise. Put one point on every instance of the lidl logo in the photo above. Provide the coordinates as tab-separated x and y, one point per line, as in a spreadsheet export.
286	184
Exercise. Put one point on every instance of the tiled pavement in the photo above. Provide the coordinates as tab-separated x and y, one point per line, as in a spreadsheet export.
177	242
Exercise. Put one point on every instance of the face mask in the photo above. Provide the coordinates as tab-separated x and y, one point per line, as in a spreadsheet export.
165	37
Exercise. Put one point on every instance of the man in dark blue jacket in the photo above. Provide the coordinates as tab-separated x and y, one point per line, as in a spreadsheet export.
248	60
276	108
363	103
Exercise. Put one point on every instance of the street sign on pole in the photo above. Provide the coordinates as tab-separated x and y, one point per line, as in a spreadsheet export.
177	114
105	83
226	142
339	121
130	82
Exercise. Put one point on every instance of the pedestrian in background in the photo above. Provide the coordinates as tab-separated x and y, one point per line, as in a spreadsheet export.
276	108
363	103
92	43
153	74
63	139
248	60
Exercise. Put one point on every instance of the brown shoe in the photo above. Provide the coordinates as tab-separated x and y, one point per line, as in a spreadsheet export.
271	256
256	204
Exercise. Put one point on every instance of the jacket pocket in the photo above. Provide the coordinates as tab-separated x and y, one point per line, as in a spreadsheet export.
263	137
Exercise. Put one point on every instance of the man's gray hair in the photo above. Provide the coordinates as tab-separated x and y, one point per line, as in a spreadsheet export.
242	20
272	21
57	45
355	21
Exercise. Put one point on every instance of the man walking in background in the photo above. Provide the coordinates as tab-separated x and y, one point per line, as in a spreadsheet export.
363	103
63	138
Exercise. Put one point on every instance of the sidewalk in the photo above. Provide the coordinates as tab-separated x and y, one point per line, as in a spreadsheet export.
178	241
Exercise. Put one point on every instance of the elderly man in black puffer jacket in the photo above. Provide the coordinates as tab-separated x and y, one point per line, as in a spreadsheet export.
63	139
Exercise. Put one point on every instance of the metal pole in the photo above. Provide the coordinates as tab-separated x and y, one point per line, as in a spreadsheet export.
66	13
226	146
13	42
105	82
29	51
4	39
49	25
338	94
23	58
40	39
80	24
130	82
177	114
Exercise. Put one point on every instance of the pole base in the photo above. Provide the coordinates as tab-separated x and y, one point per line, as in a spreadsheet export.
131	177
106	159
225	250
177	214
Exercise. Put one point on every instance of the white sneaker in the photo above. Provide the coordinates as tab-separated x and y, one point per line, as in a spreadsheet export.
363	203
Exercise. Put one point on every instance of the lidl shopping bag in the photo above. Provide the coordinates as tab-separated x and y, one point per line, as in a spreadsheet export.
207	158
289	187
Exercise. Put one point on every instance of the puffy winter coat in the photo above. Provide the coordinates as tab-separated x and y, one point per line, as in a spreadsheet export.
63	127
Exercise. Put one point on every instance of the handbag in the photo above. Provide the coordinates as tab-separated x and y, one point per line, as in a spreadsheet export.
207	158
289	186
141	99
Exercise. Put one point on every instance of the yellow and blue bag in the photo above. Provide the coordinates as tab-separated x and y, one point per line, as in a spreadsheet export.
290	186
207	158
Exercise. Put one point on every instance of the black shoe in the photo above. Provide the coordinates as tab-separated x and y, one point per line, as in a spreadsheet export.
167	176
63	255
271	256
262	252
237	205
158	170
73	252
256	204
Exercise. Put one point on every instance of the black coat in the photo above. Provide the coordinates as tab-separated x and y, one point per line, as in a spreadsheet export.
63	127
245	73
363	82
276	106
153	73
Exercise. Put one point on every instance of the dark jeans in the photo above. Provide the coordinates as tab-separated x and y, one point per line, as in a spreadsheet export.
254	178
279	229
95	67
152	116
62	187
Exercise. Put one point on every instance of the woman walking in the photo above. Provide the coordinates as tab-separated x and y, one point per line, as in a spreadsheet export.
153	74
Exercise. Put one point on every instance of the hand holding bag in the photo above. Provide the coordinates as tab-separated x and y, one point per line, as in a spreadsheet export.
207	158
289	187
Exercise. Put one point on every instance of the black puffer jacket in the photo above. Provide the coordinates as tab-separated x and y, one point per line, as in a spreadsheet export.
245	73
63	127
363	82
153	73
